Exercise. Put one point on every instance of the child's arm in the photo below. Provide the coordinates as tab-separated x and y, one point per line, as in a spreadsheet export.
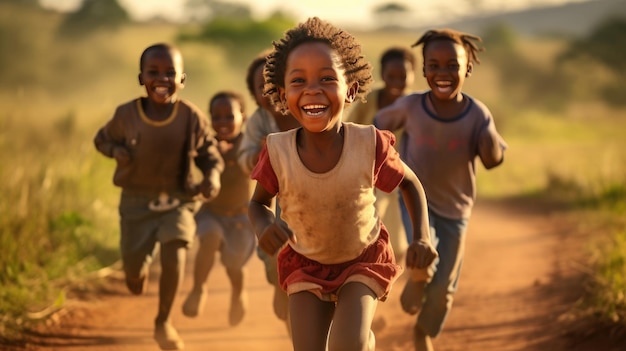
393	117
491	146
208	159
420	253
271	234
110	148
110	140
252	143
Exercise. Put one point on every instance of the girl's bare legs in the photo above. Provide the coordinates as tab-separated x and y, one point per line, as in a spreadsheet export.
237	297
205	257
173	256
351	329
309	330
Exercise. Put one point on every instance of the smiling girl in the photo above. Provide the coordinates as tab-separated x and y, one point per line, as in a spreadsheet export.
338	261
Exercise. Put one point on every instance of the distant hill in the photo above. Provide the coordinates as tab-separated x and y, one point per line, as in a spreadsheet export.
574	19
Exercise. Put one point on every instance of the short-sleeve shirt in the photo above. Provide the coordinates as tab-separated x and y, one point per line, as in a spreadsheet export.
332	214
440	151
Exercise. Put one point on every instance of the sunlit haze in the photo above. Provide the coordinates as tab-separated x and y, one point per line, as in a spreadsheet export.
353	13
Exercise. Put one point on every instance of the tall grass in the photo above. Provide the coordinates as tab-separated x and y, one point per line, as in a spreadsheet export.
605	297
55	222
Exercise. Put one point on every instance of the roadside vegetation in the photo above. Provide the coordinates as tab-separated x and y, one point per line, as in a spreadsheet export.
558	101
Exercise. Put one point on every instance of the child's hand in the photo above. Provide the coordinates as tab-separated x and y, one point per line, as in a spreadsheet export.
420	254
274	237
210	186
121	155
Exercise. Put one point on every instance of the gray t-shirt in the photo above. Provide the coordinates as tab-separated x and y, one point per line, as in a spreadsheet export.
442	152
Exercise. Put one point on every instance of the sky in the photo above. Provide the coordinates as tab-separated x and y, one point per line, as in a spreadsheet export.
353	13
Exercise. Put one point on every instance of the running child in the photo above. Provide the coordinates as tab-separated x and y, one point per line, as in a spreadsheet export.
335	260
445	131
223	224
157	142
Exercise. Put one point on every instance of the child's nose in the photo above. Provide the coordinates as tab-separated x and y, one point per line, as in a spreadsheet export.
312	88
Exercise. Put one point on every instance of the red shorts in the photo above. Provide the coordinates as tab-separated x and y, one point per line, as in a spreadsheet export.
376	268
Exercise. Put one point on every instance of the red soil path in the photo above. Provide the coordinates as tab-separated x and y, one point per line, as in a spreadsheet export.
517	280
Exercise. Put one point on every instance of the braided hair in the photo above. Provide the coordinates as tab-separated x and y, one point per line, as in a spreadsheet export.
468	41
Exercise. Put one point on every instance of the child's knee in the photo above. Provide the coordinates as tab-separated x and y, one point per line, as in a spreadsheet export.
345	340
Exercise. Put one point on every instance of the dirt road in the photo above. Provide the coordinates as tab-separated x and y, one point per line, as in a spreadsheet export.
506	300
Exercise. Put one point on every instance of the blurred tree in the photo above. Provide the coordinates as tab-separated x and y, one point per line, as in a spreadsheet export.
524	83
391	15
94	15
606	44
233	28
500	37
204	10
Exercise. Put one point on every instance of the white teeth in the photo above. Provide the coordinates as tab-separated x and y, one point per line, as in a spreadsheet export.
314	110
161	90
312	107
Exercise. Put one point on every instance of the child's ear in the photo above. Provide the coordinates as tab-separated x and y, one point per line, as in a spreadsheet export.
140	79
470	67
282	96
183	78
352	91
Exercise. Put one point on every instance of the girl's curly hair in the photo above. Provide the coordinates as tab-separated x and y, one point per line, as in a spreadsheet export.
314	29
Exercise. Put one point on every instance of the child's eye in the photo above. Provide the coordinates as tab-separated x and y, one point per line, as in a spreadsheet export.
328	79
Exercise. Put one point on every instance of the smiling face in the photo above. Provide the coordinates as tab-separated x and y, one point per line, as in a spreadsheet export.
162	75
315	89
226	118
445	67
397	74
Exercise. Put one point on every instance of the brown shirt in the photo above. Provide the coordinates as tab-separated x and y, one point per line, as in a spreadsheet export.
162	153
235	192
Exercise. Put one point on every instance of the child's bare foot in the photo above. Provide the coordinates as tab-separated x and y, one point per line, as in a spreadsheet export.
137	286
281	303
412	296
421	340
194	304
167	337
237	310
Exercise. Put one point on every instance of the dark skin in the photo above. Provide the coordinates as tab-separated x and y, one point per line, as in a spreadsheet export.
397	75
446	66
316	93
163	77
